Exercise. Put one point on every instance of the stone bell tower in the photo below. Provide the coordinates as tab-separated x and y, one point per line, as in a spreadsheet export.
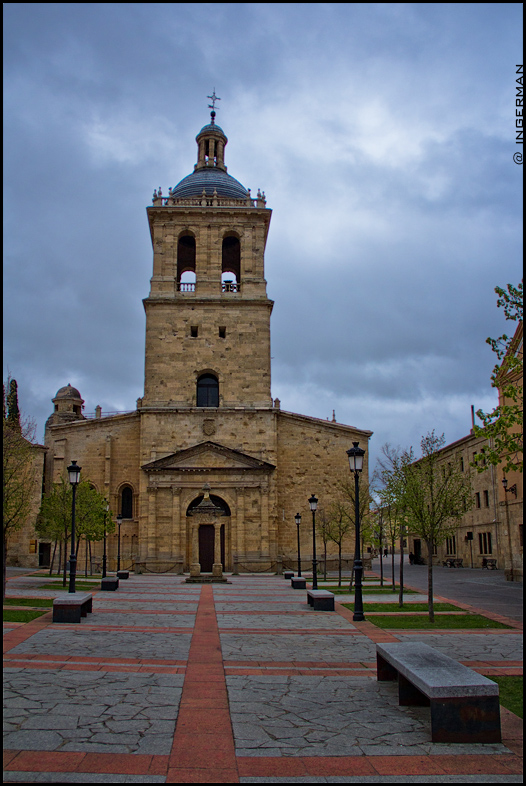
207	314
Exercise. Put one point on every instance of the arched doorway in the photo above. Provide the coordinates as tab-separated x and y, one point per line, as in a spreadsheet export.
206	547
206	535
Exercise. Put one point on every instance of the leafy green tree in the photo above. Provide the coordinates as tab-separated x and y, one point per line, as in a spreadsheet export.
19	468
322	529
364	504
435	495
339	522
54	521
503	425
390	489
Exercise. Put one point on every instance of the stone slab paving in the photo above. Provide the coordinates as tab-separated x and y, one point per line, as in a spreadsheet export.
308	620
502	645
90	711
171	683
83	640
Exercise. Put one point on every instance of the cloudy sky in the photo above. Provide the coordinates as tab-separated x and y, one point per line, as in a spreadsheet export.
383	136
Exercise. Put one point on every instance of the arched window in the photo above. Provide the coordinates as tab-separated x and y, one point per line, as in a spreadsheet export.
207	391
231	264
127	503
186	263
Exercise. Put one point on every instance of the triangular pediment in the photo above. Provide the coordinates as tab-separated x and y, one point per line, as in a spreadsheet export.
207	456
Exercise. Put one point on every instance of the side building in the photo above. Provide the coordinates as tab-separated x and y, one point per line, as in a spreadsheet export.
492	529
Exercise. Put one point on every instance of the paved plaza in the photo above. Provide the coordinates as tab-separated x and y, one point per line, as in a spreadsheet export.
167	682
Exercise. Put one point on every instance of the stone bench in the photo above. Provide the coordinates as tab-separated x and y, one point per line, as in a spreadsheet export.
109	584
298	582
320	600
123	574
71	607
464	704
288	574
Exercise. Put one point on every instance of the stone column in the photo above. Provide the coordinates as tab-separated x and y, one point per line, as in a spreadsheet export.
217	567
195	567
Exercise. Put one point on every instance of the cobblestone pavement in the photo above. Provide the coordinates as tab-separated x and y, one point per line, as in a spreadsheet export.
242	683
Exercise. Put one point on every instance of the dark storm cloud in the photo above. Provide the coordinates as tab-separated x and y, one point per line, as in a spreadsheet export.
383	137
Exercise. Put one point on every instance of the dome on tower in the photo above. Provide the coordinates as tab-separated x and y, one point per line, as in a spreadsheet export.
210	172
210	180
68	391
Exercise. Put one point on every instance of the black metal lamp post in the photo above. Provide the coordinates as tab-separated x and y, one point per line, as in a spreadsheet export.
119	522
297	519
313	502
356	455
104	560
511	490
74	479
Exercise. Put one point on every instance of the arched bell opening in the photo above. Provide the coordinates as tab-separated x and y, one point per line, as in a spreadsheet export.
231	264
186	274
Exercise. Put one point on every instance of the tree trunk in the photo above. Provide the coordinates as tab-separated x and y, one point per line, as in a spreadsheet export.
430	581
401	592
65	561
392	563
53	559
4	559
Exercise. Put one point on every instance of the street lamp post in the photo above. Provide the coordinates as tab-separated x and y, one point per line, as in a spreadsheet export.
356	455
104	552
74	479
313	502
119	522
297	519
511	490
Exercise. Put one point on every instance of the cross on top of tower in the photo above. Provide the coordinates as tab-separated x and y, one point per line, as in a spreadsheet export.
213	98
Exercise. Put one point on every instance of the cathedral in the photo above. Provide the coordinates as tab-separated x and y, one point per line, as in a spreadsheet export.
207	472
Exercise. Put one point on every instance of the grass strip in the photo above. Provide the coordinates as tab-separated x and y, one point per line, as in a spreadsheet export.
39	602
511	693
21	615
406	609
79	585
444	621
370	590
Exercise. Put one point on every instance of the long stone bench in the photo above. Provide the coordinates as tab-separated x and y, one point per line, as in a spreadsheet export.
70	608
320	600
464	704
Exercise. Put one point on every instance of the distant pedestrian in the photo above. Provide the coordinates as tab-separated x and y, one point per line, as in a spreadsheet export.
411	558
385	552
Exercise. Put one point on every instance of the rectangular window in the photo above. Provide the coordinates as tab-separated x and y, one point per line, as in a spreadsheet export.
462	463
486	498
485	542
451	545
194	330
477	499
222	332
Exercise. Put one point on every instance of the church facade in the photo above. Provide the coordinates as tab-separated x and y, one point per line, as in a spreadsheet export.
206	427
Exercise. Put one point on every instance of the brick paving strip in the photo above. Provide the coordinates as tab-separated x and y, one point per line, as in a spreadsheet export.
203	747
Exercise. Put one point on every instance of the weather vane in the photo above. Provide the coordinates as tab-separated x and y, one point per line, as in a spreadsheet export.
213	98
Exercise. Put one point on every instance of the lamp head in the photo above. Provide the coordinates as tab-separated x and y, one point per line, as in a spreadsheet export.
356	455
74	473
313	502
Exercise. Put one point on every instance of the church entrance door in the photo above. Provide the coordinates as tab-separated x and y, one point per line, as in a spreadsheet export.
206	547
